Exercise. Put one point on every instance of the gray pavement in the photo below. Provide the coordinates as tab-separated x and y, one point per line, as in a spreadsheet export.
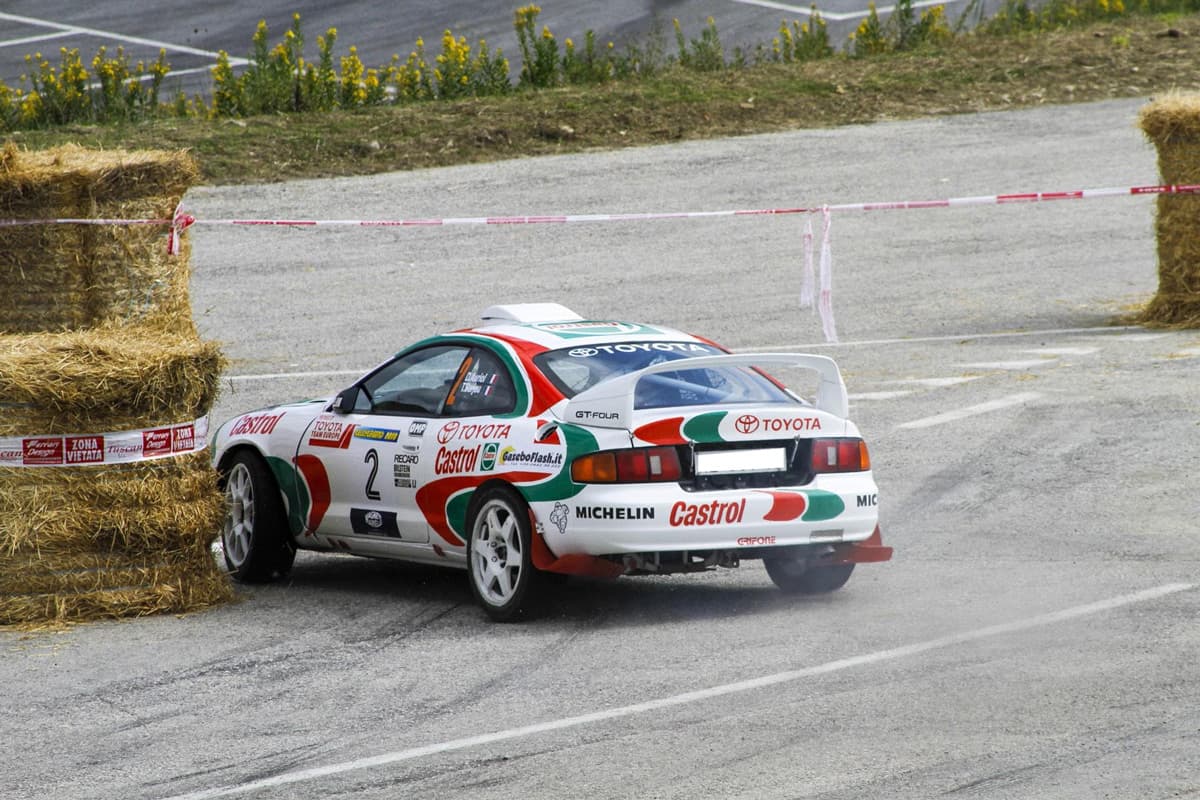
1034	637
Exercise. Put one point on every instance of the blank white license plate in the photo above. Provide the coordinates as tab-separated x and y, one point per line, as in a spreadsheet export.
725	461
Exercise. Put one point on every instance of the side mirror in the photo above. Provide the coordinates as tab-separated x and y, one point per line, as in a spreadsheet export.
345	401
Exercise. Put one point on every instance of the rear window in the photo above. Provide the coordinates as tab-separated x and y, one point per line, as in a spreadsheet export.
574	369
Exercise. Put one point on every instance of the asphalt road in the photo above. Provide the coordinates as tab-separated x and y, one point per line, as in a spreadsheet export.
1035	635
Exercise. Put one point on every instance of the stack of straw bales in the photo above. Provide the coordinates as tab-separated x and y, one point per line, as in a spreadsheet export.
1172	123
96	336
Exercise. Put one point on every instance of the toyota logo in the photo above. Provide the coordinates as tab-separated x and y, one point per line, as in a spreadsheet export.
582	352
746	423
447	432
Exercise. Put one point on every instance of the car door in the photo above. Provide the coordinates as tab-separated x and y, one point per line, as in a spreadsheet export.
370	448
464	442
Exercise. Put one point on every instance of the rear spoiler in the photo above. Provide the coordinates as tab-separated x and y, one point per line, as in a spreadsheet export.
609	404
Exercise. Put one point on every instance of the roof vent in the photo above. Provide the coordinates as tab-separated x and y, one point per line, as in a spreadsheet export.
525	313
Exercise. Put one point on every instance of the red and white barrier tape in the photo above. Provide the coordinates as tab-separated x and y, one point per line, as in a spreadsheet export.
181	221
120	447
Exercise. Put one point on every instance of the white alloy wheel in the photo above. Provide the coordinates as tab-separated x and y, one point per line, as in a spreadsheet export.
239	515
496	552
499	558
255	535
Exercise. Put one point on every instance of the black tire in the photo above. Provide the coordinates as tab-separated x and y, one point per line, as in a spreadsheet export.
799	576
258	547
499	556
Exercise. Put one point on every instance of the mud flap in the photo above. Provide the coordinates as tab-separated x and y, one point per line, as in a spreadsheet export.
869	551
575	564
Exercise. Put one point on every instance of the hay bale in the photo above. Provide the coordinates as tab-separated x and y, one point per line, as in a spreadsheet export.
1172	123
69	277
143	508
76	596
96	336
108	379
100	542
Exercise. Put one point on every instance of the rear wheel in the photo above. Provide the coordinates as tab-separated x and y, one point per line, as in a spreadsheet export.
800	576
255	536
499	556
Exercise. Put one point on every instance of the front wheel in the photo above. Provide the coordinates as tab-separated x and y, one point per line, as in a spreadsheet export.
255	534
799	576
499	557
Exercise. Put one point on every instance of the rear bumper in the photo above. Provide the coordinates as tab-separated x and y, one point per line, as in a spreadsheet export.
619	519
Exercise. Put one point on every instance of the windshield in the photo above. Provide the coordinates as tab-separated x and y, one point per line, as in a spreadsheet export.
575	369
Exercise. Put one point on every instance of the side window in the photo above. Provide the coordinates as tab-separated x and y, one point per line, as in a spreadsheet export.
417	383
483	386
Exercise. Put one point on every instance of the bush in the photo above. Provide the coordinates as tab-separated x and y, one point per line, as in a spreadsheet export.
903	30
802	42
704	54
278	79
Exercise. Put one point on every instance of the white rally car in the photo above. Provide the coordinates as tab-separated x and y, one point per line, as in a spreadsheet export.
540	442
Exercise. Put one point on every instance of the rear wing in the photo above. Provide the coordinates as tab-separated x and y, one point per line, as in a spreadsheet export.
609	404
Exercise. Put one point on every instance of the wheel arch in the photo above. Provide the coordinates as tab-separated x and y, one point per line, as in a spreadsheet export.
489	484
256	523
229	455
288	483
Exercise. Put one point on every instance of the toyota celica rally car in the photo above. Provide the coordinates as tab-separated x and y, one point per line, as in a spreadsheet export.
540	442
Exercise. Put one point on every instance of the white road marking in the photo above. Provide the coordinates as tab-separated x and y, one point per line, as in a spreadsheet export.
76	29
936	383
962	337
879	395
45	37
790	676
1063	351
971	411
832	15
1143	337
1012	365
275	376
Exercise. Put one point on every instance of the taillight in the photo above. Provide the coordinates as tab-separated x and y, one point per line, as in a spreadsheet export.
840	455
637	465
